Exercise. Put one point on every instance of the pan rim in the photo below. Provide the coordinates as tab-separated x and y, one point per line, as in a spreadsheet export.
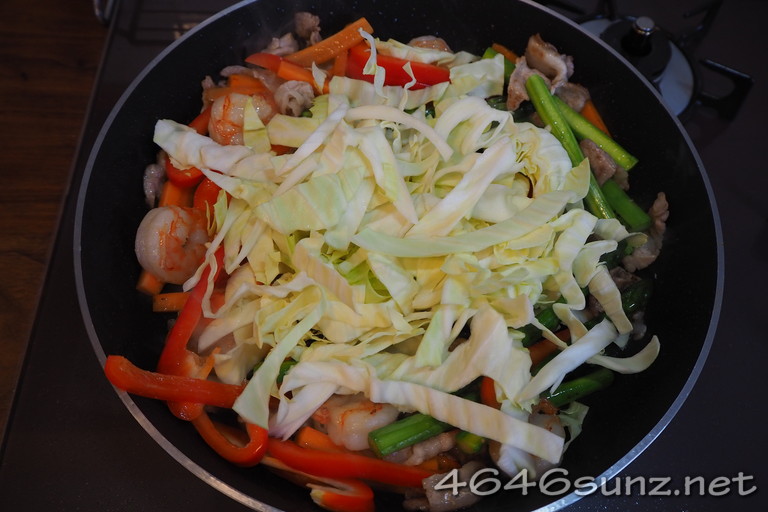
243	497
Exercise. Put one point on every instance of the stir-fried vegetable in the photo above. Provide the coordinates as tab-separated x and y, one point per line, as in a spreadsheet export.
398	71
331	47
584	129
172	388
635	218
345	465
405	432
553	117
580	387
396	238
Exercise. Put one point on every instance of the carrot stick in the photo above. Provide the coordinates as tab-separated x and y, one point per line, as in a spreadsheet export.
543	348
149	284
289	71
431	464
540	350
593	116
173	195
331	46
246	84
169	302
506	52
214	93
309	437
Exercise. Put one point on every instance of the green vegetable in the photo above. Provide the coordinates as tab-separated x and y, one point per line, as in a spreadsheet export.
547	318
497	102
583	129
331	266
635	296
509	66
569	359
551	115
469	443
632	215
580	387
613	259
285	367
405	432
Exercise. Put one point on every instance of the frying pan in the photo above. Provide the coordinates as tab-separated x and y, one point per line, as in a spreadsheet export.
623	420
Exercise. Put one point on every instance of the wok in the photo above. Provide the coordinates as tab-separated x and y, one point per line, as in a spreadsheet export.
688	276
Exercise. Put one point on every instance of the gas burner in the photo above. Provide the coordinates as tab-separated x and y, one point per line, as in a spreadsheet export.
664	57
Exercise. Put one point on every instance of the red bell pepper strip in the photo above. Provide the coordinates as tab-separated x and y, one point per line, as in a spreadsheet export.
206	194
425	74
281	150
248	454
488	393
345	496
265	60
175	358
175	388
335	494
183	178
345	465
200	123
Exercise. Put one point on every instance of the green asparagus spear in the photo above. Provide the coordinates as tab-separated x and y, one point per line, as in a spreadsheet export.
405	432
580	387
583	129
551	115
632	215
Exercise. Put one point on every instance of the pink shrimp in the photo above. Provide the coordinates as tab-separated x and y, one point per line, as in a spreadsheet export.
227	113
349	418
170	242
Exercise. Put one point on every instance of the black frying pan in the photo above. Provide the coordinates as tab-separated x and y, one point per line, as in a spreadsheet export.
625	418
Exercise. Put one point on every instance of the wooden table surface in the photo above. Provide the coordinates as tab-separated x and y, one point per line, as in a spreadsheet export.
49	55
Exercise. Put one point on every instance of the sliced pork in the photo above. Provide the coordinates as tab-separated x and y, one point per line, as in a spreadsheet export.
545	57
649	251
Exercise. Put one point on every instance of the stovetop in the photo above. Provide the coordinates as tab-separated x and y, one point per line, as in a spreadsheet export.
72	445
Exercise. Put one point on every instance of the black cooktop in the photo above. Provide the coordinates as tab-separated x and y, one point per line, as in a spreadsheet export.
72	445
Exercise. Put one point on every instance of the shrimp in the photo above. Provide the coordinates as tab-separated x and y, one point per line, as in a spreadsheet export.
227	113
350	418
171	242
552	423
430	42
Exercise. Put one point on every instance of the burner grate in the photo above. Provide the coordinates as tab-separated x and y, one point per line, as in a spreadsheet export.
674	42
152	22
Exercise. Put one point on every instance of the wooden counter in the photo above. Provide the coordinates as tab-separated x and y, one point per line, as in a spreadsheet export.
49	55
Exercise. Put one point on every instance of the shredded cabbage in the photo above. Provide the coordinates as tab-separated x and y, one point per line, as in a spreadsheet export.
365	253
